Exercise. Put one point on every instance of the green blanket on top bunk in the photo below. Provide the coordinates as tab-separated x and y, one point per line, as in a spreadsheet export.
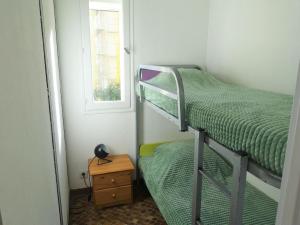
169	175
240	118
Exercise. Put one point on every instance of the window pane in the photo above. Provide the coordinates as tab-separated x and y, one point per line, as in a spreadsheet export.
105	53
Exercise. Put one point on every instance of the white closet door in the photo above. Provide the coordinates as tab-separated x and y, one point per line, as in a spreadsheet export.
28	193
50	47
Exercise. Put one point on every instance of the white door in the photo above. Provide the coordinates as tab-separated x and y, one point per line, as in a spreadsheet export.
52	70
28	191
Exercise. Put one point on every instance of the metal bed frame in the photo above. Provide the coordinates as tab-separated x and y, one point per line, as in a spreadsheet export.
239	159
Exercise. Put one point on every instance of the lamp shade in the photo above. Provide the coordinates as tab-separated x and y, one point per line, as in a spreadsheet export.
101	151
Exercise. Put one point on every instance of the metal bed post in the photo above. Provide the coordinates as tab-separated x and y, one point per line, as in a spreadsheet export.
180	100
239	161
138	100
238	190
198	178
137	155
141	87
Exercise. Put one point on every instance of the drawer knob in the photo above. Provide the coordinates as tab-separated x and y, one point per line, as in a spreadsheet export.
114	195
113	181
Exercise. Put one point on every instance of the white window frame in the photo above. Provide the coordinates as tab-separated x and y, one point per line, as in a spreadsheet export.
90	105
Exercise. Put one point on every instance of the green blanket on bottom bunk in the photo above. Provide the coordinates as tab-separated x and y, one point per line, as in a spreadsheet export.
169	174
240	118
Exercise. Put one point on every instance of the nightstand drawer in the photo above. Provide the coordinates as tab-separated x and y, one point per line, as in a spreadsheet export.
113	196
111	180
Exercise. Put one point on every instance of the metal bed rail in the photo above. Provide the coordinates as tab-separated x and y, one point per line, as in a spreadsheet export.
239	160
178	96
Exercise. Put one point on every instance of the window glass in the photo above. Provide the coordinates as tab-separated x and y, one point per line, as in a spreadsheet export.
105	41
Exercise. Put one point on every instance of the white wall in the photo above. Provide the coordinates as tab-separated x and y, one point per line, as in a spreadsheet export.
168	32
84	131
157	39
234	39
27	185
255	43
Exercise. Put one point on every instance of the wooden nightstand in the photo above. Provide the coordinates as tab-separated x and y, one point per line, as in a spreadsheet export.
112	182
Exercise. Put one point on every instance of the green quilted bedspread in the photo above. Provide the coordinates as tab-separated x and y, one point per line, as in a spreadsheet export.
169	175
240	118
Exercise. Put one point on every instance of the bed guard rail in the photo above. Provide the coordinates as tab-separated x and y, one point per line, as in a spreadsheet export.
147	72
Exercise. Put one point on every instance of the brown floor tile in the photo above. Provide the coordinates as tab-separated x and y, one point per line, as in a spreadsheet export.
143	211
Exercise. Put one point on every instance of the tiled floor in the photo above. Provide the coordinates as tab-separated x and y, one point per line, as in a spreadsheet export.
142	212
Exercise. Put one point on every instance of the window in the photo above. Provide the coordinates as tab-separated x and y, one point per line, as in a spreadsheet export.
105	35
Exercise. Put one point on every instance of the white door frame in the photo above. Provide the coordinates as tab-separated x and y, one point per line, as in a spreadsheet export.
55	106
289	205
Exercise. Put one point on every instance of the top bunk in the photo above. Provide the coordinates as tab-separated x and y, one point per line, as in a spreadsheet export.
245	120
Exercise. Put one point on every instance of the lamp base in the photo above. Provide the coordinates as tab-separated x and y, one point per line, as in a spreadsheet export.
105	161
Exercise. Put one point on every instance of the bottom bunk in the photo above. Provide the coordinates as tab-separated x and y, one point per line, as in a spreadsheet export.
167	170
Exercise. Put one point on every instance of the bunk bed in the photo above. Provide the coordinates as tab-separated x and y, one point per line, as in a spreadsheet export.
246	127
167	169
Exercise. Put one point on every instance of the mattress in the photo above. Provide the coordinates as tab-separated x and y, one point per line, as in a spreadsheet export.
240	118
169	173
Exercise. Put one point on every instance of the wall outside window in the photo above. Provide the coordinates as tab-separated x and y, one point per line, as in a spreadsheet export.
105	32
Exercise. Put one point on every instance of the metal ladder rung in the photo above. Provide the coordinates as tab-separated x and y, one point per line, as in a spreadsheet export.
213	181
199	223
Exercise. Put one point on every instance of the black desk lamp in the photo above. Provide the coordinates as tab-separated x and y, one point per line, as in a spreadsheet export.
101	152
